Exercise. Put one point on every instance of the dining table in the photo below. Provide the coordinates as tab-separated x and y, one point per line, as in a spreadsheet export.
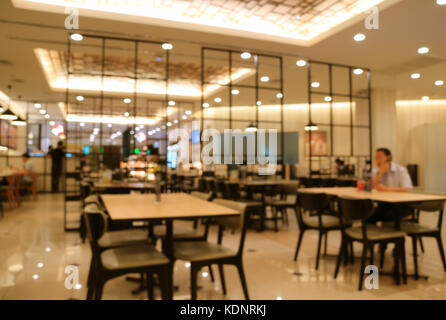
106	186
145	207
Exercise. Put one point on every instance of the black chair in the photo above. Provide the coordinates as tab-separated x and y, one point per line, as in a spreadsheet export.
417	231
369	235
110	263
316	204
202	254
288	200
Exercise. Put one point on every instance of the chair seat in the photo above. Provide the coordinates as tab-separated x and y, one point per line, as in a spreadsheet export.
327	221
199	251
121	238
413	227
281	203
132	257
374	233
91	199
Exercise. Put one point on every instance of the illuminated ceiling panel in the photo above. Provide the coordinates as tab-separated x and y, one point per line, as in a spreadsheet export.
302	22
85	74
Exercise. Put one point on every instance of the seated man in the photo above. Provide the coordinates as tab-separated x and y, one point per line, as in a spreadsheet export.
26	171
389	176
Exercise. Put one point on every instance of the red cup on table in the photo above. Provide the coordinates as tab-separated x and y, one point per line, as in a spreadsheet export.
360	185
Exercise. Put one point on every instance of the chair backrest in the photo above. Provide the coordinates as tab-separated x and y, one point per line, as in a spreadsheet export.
355	209
312	203
431	206
201	195
234	223
96	221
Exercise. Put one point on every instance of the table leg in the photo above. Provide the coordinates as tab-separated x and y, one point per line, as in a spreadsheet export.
168	250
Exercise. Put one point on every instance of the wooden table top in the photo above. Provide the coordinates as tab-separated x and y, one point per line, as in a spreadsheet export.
255	183
123	185
391	197
172	206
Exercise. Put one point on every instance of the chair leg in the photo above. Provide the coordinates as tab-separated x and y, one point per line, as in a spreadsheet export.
222	278
352	252
361	271
163	277
99	289
299	242
243	280
372	255
382	252
211	273
319	249
149	284
415	256
403	260
274	212
441	249
325	243
421	244
396	257
193	283
340	255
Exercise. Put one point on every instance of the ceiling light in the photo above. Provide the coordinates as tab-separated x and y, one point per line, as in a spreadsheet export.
188	112
358	71
47	116
175	121
301	63
82	124
37	105
184	117
264	79
127	100
18	122
171	103
315	84
8	115
279	95
359	37
235	91
415	76
439	83
109	125
251	128
167	46
40	265
77	37
328	98
259	103
42	111
126	114
35	276
441	2
169	124
423	50
425	98
218	100
52	123
245	55
311	126
205	105
80	98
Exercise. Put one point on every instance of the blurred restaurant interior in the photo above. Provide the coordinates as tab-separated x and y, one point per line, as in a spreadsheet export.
182	149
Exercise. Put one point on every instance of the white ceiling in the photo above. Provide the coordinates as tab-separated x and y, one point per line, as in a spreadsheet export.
390	51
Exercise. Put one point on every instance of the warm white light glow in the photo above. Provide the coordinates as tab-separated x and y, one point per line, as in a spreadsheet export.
51	123
42	111
37	105
425	98
245	55
80	98
47	116
117	120
167	46
328	98
40	265
259	103
35	276
77	37
301	63
359	37
315	84
441	2
188	112
218	99
175	121
171	103
126	114
264	79
82	124
127	100
279	95
205	105
235	91
109	125
358	71
311	128
184	117
423	50
415	76
439	83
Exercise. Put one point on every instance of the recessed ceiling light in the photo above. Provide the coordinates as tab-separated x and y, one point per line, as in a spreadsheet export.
359	37
425	98
184	117
245	55
169	124
40	265
205	105
42	111
80	98
126	114
259	103
235	91
315	84
171	103
175	121
279	95
127	100
423	50
167	46
188	112
301	63
264	79
218	100
37	105
328	98
358	71
439	83
77	37
47	116
35	276
415	76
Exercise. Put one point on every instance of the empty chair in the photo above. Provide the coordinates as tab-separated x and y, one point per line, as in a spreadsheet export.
107	264
288	200
367	234
201	254
314	203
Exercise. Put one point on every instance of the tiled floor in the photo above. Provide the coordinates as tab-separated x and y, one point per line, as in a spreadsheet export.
33	244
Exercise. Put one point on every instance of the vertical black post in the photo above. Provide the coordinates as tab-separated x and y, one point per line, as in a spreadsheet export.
282	127
101	106
330	92
230	88
202	97
167	112
351	108
309	117
369	82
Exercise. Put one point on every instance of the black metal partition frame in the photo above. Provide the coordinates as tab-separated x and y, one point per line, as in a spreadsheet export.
364	93
230	54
